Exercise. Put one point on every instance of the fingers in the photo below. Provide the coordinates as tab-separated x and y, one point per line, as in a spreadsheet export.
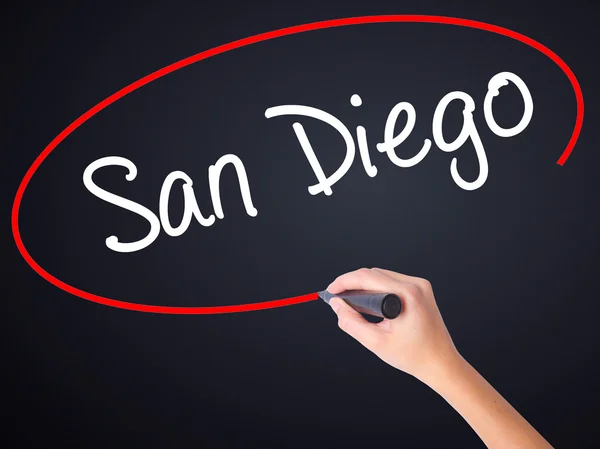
373	280
363	279
397	276
351	322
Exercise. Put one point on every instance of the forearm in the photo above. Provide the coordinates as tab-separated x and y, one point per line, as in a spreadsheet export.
496	422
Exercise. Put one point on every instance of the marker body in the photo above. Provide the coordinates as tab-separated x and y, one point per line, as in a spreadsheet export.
384	305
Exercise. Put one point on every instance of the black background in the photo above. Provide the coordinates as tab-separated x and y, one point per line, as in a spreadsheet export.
513	264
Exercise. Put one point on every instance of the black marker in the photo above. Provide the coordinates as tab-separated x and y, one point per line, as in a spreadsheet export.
384	305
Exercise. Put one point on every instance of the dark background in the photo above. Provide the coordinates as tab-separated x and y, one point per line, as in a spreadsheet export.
513	264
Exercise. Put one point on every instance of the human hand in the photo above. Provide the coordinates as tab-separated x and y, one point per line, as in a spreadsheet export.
417	341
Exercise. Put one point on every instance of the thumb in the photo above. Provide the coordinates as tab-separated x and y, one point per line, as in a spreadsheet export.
352	322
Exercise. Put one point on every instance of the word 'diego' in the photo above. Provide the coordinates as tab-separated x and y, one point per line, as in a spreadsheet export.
391	141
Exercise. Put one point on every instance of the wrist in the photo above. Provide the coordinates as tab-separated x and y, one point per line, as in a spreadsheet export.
446	369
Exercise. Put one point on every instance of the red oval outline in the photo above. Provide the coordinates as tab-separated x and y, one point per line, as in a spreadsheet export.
231	46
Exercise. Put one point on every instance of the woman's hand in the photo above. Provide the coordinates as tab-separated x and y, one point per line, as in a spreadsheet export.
417	341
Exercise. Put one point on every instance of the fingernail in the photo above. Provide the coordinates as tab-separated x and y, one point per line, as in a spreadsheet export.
334	303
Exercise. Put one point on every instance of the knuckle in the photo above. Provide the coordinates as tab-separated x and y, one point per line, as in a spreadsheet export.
412	291
361	274
424	284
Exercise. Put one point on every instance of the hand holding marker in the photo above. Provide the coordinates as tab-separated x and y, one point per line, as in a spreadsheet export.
383	305
413	338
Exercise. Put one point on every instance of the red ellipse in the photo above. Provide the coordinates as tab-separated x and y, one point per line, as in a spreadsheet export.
231	46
